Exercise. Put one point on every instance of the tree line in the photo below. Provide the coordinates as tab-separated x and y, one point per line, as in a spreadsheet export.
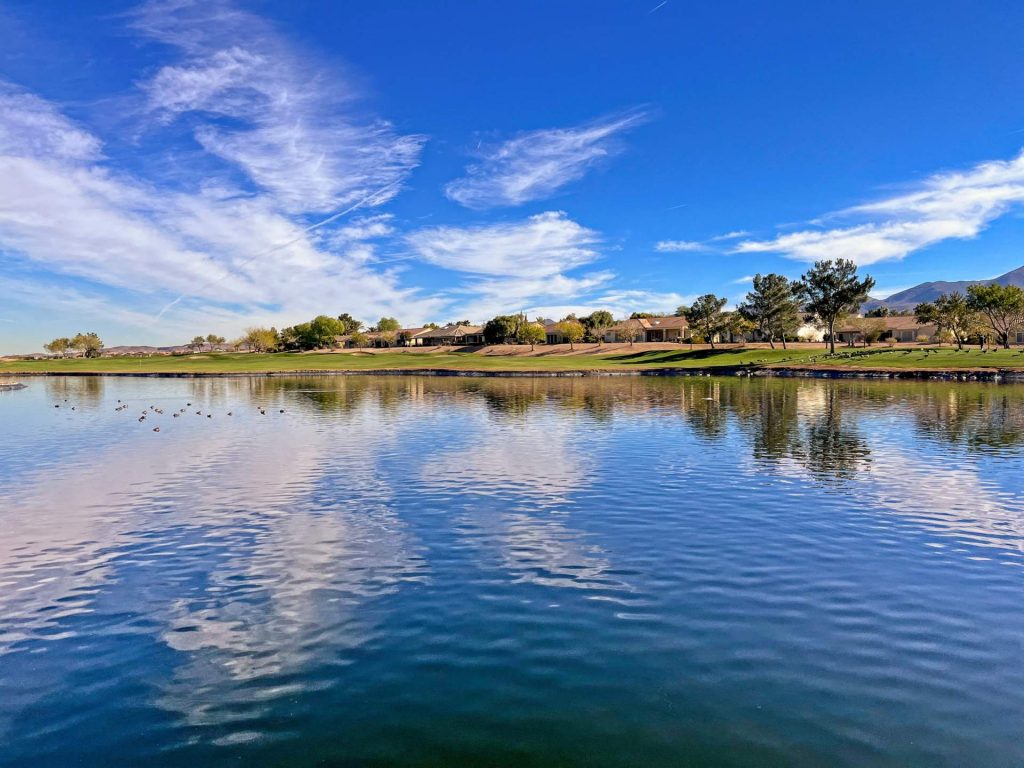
87	344
994	308
776	307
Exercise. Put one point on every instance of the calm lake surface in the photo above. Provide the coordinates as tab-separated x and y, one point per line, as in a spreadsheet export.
498	572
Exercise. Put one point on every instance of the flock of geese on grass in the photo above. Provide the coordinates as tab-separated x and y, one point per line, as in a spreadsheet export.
159	411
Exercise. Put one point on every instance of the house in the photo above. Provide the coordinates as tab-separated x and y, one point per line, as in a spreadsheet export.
621	332
901	328
552	334
668	328
410	337
450	335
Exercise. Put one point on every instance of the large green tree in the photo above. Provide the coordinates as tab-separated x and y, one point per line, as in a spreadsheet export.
503	329
89	344
830	290
531	333
261	339
950	312
597	324
705	316
1002	306
387	325
573	331
58	346
350	323
772	307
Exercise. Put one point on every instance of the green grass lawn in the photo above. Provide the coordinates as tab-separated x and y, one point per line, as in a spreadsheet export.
672	358
921	358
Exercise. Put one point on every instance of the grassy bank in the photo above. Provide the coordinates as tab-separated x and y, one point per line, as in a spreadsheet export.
902	359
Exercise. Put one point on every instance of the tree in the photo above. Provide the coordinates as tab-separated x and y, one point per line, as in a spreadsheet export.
58	346
630	330
870	329
261	339
597	323
735	324
358	339
321	331
830	290
882	311
197	343
573	331
213	339
503	329
705	317
89	344
531	333
950	312
642	315
387	325
772	308
350	323
1002	307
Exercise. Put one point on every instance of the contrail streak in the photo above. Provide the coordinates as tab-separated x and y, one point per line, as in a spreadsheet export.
279	246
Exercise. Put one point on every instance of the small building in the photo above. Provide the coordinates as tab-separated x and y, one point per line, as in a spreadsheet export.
900	328
552	334
624	331
451	335
667	328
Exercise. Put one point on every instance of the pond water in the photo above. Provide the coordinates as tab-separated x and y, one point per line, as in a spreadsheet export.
496	572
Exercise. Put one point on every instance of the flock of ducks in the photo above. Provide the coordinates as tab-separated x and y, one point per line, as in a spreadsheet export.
122	406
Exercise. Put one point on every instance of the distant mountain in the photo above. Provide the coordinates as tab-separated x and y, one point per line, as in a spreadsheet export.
911	297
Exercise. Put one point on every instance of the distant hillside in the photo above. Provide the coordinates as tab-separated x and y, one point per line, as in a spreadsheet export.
911	297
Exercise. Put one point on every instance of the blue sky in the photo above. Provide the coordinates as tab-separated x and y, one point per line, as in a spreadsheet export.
173	168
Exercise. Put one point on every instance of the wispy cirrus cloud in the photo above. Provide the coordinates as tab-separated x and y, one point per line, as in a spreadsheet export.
289	124
681	246
265	138
514	265
539	246
537	164
944	206
66	210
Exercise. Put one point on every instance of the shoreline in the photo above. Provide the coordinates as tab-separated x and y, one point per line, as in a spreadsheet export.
994	375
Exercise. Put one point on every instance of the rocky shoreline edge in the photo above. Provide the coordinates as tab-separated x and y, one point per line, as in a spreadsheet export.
994	375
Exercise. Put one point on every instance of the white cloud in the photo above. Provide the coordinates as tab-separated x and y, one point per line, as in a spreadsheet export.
506	295
743	280
294	130
680	246
540	246
734	235
72	215
944	206
625	302
535	165
31	127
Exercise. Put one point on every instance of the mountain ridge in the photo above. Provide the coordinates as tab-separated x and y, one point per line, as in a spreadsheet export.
911	297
